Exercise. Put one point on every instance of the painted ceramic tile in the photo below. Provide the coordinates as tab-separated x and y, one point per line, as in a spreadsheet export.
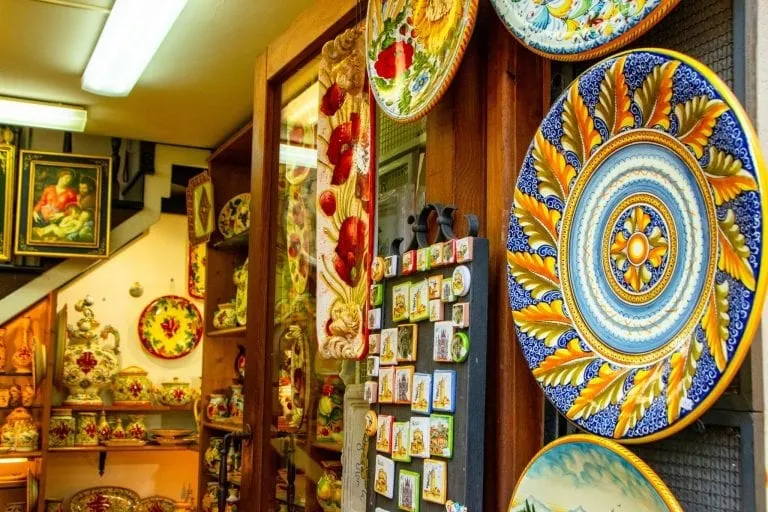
401	296
403	384
449	252
435	481
441	344
197	262
422	259
390	270
384	481
441	435
461	281
420	436
374	343
434	283
372	369
408	487
377	294
464	249
407	341
388	353
460	347
371	392
460	315
387	385
688	255
422	393
408	265
447	293
444	391
435	255
374	318
436	310
401	440
378	269
384	433
419	303
558	479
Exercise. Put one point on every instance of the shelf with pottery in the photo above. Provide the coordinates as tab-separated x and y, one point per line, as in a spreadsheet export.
128	408
238	242
144	448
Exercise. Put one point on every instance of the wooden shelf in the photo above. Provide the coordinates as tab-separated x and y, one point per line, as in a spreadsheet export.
15	374
21	455
18	484
126	408
9	408
231	332
234	243
111	449
226	427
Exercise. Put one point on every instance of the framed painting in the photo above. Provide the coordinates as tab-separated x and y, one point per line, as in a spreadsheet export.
7	160
63	205
200	208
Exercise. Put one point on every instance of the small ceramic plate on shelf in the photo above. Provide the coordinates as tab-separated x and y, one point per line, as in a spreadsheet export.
155	504
114	499
235	216
120	443
171	432
170	327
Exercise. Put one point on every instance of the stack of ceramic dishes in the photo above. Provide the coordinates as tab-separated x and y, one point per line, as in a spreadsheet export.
173	437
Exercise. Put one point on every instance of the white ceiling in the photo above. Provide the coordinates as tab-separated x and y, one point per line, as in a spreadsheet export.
196	91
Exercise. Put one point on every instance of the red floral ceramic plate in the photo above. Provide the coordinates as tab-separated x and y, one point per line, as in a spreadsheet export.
155	504
170	327
98	499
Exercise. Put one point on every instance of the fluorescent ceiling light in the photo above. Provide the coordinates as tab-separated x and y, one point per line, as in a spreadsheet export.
298	156
134	31
39	114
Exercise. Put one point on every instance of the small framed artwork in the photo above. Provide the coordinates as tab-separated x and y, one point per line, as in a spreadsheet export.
433	284
403	384
409	263
441	435
421	401
400	441
200	222
388	352
390	267
419	304
374	318
386	385
401	294
441	344
7	183
377	294
408	486
435	255
374	343
384	482
447	293
63	205
435	481
384	433
373	366
444	391
460	315
371	392
422	259
464	249
436	310
419	444
449	252
407	339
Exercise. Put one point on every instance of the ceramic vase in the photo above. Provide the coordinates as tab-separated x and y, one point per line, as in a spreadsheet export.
175	393
224	317
22	358
19	432
118	432
89	365
87	429
217	409
132	387
136	429
212	456
104	430
2	351
61	428
236	403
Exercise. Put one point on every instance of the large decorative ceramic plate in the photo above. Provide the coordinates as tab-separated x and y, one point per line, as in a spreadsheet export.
635	246
170	327
156	504
414	50
98	499
235	216
579	29
587	473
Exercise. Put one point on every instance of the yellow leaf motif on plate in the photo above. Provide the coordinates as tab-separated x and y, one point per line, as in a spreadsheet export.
554	173
715	323
614	102
734	252
546	322
602	390
726	176
655	96
646	387
682	369
695	120
579	133
534	273
537	221
565	366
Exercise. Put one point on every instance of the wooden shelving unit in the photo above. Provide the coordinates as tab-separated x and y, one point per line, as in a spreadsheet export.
21	455
148	409
223	427
145	448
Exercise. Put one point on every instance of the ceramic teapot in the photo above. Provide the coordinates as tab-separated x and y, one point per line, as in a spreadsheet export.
19	433
89	365
175	393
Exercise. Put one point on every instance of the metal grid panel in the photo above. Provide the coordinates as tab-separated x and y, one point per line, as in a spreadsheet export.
393	138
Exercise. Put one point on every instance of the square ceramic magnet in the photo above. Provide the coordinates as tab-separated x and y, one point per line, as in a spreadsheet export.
434	282
441	435
435	481
407	341
373	366
443	391
460	315
420	436
441	344
387	385
374	318
400	440
408	487
464	249
447	293
388	352
419	305
436	310
401	296
374	343
408	265
384	481
449	252
384	433
403	384
422	393
377	294
390	266
436	255
422	259
371	392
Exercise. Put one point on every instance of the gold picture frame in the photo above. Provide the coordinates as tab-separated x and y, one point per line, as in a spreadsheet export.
7	175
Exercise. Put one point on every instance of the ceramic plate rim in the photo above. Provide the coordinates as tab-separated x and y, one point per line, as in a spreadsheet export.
148	346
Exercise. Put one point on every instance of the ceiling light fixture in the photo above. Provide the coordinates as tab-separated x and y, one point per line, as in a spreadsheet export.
39	114
134	31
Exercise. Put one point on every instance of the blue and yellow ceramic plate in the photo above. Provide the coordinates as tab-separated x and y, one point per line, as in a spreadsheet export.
588	473
580	29
635	245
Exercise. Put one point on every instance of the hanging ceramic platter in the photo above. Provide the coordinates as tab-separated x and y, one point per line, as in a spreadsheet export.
635	245
235	216
583	472
579	30
155	504
114	499
197	262
170	327
414	50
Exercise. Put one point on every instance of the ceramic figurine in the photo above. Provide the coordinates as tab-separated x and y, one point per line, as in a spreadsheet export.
224	317
87	429
212	456
175	393
136	429
2	351
236	403
118	432
218	408
61	428
104	429
22	358
27	395
132	387
15	399
88	365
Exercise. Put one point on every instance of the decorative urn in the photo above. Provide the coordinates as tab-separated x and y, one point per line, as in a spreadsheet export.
89	365
132	387
175	393
19	433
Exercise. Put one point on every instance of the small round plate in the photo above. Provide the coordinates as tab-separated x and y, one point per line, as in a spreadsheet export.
583	472
579	30
114	499
235	216
635	245
414	50
155	504
170	327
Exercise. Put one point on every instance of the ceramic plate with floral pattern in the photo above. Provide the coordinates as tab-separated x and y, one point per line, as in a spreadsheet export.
155	504
197	262
414	50
635	245
170	327
98	499
580	29
235	216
